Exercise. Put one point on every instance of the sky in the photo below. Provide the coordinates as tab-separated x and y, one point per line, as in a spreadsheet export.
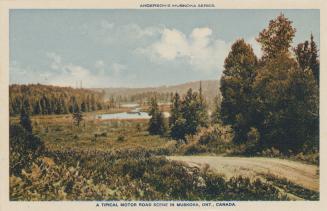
135	48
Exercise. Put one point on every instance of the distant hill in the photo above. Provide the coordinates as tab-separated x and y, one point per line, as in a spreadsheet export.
210	89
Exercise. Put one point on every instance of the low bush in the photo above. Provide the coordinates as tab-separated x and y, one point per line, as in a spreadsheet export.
128	176
292	188
121	138
24	148
215	139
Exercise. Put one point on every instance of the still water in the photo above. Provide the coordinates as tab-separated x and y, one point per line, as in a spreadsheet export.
124	115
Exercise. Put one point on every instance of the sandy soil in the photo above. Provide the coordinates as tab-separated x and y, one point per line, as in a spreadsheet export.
302	174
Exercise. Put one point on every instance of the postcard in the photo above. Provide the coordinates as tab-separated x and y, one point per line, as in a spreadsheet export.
206	105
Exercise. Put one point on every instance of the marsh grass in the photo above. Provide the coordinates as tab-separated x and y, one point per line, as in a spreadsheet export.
58	132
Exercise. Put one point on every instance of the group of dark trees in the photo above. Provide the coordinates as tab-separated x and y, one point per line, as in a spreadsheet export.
24	145
275	97
45	100
186	116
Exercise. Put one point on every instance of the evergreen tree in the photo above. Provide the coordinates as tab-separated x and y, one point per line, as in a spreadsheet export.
176	119
202	111
215	116
236	82
286	100
276	39
314	60
157	122
25	120
286	95
188	115
47	100
83	107
307	57
78	117
193	112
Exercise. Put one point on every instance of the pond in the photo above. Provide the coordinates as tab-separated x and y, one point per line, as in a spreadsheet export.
124	115
135	114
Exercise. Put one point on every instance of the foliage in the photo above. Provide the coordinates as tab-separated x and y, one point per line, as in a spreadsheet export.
44	99
77	117
297	190
216	113
176	120
214	139
307	57
273	102
121	138
188	114
287	104
24	147
109	176
157	124
25	120
276	39
193	112
236	89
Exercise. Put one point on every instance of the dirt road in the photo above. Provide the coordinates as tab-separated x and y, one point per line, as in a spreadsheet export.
302	174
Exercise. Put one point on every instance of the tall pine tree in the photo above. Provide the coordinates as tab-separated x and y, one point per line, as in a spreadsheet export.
176	119
157	124
236	90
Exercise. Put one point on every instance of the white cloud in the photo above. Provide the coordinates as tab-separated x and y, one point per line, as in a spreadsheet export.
138	32
67	74
77	71
173	43
199	48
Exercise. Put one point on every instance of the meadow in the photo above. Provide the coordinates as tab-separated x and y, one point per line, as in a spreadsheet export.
120	160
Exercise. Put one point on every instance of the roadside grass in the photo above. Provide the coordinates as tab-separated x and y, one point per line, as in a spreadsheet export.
128	175
127	146
289	187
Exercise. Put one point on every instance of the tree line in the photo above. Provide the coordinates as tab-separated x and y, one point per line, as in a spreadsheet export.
275	97
187	114
37	99
272	101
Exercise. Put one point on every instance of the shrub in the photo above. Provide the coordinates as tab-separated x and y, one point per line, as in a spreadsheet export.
272	152
128	175
217	139
121	138
194	148
24	148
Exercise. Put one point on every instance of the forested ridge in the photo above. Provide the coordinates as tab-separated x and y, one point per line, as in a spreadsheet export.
162	93
46	99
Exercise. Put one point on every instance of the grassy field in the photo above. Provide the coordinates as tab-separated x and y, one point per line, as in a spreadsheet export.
118	159
58	132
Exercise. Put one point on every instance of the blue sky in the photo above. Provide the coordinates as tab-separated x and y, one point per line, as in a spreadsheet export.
135	48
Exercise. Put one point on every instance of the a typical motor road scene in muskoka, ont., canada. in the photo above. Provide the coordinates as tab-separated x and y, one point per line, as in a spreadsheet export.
164	105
